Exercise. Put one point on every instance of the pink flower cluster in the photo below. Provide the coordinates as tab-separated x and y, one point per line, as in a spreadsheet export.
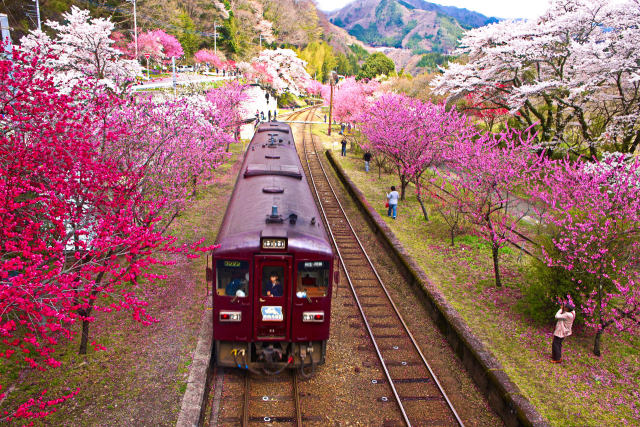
91	183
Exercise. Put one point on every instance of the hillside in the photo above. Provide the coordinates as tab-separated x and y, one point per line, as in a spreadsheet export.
416	25
238	23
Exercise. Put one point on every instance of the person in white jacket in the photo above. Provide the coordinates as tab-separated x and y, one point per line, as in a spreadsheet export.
566	315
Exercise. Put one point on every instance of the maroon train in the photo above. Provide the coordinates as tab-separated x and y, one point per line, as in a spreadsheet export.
273	270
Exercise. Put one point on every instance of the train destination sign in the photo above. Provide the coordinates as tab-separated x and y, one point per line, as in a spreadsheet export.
272	313
274	243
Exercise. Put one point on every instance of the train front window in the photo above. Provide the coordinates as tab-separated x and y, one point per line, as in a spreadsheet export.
272	281
232	278
313	279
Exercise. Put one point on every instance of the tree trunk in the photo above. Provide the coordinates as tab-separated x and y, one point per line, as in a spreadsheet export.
84	339
424	210
496	268
403	187
596	342
453	235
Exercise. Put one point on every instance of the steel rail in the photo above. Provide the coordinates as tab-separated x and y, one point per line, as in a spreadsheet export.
245	405
247	393
296	399
399	316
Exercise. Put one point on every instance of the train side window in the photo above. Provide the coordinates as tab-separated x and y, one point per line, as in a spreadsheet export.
232	278
313	279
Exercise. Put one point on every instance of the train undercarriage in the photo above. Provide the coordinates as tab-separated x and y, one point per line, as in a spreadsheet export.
271	357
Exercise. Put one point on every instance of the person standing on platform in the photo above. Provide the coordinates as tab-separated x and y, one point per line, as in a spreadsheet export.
344	147
269	114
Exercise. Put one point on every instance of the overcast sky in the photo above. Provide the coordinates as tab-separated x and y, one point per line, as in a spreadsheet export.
530	9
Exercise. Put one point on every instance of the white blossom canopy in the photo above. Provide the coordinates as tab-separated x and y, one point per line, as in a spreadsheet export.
575	71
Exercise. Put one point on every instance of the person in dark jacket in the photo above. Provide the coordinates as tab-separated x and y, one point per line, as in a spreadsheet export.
367	159
344	147
273	288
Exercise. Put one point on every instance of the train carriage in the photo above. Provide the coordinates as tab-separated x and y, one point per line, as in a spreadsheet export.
272	273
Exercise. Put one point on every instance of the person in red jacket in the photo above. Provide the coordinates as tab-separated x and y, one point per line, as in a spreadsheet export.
566	315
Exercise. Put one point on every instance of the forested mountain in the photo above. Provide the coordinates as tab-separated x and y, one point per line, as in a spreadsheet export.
418	34
416	25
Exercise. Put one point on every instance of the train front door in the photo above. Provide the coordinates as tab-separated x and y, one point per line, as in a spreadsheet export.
272	293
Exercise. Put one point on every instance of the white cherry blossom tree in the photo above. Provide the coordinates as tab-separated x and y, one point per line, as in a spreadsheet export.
573	72
281	71
82	48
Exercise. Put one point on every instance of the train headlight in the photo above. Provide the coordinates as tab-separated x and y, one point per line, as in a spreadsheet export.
313	316
230	316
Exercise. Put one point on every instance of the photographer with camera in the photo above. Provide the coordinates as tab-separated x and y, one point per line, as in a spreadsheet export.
565	315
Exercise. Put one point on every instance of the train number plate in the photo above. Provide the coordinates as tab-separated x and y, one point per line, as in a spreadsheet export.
272	313
274	243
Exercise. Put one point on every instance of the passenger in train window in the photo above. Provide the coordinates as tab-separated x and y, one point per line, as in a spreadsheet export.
238	286
273	288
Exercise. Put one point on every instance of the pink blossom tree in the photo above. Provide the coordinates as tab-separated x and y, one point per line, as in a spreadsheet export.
148	44
413	135
314	87
226	102
159	45
595	210
486	169
350	98
91	183
171	47
207	56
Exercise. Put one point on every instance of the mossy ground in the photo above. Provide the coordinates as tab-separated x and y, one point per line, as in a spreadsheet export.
584	389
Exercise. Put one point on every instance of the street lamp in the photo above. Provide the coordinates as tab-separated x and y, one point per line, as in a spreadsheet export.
215	38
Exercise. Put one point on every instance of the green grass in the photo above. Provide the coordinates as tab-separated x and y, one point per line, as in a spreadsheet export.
584	389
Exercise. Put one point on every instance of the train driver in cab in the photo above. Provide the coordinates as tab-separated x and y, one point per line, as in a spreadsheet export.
273	288
237	286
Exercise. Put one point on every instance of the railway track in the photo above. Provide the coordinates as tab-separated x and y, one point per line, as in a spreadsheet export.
244	399
411	382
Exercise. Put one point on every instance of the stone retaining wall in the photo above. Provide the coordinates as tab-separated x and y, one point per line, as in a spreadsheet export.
195	397
503	395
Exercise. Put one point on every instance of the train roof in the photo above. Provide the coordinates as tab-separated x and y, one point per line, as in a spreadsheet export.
272	175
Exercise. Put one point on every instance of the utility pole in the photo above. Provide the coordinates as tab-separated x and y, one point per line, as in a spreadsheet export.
332	79
260	41
173	64
38	14
135	27
215	38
